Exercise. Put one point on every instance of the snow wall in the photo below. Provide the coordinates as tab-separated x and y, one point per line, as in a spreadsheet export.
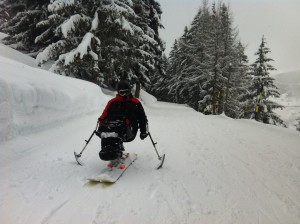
33	99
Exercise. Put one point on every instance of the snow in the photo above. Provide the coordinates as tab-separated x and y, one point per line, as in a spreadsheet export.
83	48
31	103
95	22
289	88
68	26
217	170
57	5
47	53
126	25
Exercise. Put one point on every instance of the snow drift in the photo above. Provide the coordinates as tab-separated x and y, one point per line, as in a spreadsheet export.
36	101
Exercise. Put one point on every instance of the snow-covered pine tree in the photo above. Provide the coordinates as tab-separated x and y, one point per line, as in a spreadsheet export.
221	59
188	62
73	45
101	41
205	68
263	88
4	12
241	82
178	84
160	86
21	24
128	47
197	59
203	60
9	8
148	61
158	82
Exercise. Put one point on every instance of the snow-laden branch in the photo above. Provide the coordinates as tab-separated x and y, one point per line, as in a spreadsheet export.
70	25
83	48
57	5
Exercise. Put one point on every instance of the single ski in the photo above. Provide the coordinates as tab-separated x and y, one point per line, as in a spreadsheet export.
114	171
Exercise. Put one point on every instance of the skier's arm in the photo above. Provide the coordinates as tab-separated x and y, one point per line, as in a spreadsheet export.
105	111
143	121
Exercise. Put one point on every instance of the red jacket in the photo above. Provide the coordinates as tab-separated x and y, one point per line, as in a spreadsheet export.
128	106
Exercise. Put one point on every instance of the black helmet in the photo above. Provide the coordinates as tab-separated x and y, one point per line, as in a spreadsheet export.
123	84
124	88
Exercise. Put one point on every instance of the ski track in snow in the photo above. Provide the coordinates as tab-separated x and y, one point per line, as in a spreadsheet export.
205	179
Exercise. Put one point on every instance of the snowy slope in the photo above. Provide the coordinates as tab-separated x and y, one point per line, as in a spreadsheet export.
289	87
217	170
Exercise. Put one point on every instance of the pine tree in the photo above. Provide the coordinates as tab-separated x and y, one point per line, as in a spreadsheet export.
72	44
4	12
241	84
9	8
178	84
21	24
206	65
102	41
160	86
263	88
149	58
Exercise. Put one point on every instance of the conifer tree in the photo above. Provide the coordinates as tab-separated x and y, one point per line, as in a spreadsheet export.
4	12
160	86
148	58
206	70
75	48
263	88
102	41
237	96
9	8
21	24
178	84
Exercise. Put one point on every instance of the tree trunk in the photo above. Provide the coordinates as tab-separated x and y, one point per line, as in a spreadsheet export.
137	89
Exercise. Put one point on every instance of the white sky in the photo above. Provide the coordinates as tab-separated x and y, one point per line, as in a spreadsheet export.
278	20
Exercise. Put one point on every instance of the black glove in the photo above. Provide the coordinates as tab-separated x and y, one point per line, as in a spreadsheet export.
98	133
143	135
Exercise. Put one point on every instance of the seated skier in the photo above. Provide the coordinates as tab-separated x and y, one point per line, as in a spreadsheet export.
119	122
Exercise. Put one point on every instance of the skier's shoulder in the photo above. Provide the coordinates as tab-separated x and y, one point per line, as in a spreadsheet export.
113	100
135	100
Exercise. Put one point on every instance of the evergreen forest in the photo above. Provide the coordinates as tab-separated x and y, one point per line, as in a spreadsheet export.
105	41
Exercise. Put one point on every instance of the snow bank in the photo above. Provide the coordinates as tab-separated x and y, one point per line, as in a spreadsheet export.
32	99
147	98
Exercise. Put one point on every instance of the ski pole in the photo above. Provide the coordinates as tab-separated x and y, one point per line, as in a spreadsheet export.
77	156
161	158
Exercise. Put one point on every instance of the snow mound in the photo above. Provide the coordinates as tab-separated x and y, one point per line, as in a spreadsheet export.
32	99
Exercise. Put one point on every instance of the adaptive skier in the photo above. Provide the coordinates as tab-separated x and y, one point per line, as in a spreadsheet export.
119	122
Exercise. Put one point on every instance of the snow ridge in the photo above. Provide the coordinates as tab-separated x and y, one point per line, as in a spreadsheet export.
34	102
